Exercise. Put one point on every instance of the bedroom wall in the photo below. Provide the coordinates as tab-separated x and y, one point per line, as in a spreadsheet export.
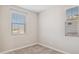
0	33
52	30
10	41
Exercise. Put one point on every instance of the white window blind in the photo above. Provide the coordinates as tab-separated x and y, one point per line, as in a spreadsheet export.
17	22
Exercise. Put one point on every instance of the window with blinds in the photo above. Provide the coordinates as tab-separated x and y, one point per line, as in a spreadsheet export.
72	22
17	22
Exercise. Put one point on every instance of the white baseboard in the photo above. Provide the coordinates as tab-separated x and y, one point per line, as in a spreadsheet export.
4	52
53	48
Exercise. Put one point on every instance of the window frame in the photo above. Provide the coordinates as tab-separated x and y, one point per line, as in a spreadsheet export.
24	24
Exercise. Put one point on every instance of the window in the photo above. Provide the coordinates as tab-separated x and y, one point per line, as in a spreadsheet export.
72	22
17	22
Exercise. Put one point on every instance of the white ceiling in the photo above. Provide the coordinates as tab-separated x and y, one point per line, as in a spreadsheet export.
36	8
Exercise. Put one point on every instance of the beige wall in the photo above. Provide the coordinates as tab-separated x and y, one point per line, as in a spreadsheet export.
0	33
15	41
52	30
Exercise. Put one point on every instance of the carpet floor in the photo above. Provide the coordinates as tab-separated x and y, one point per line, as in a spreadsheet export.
35	49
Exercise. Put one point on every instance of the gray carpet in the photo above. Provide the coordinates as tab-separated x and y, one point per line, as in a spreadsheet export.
36	49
